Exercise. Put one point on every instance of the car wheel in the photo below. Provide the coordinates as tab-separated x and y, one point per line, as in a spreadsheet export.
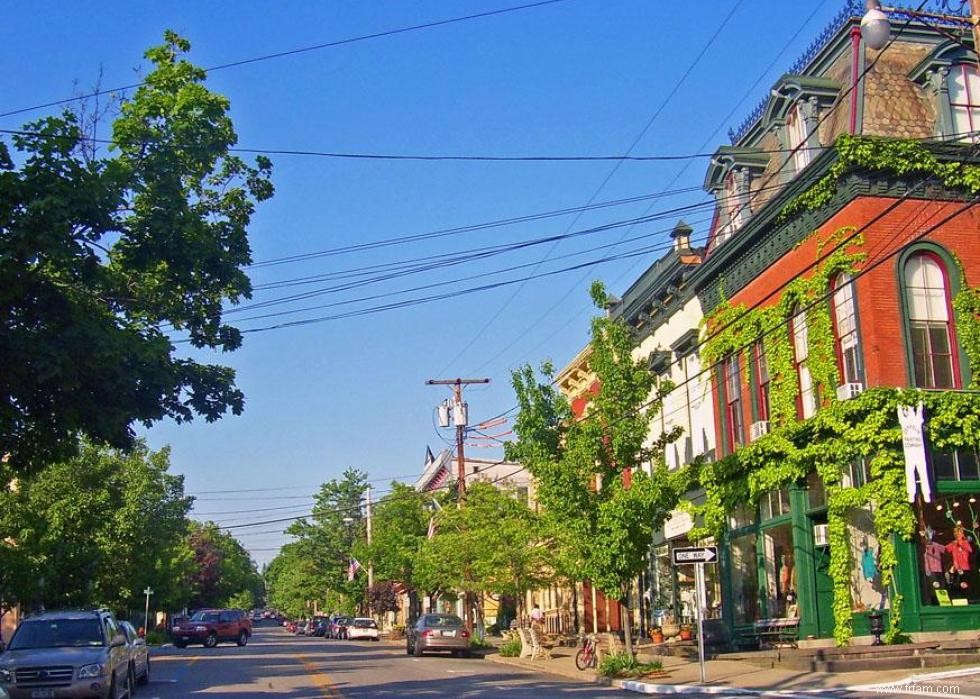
211	640
242	638
145	679
417	650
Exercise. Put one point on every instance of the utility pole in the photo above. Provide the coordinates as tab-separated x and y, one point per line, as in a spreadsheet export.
370	562
459	413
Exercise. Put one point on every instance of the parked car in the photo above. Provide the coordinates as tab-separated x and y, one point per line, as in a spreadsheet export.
438	632
139	654
363	627
338	629
211	626
320	626
67	654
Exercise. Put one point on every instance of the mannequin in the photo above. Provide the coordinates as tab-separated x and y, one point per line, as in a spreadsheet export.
868	567
785	574
960	549
932	557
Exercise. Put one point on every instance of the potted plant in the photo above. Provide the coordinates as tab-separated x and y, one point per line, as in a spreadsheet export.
657	635
669	627
686	633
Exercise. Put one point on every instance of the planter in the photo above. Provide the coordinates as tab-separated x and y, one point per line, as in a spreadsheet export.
670	630
685	635
657	636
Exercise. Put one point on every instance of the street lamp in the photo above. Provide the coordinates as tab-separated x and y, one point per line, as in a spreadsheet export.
875	28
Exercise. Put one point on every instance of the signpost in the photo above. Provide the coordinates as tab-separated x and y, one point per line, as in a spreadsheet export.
146	615
697	557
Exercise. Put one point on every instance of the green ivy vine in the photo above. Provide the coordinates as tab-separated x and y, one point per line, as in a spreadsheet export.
966	305
887	155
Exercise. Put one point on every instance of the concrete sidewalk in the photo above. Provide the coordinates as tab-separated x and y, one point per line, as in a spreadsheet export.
726	676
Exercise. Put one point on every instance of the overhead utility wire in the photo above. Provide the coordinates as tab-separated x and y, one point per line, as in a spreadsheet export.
636	141
306	49
799	146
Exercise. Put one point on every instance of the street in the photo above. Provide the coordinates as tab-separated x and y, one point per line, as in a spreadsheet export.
298	667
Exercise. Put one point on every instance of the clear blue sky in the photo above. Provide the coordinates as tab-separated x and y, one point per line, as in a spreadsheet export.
580	77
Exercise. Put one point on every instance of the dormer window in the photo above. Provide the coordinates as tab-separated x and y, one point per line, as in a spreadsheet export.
736	202
797	132
963	83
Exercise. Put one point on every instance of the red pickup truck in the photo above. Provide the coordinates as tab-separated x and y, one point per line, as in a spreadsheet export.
211	626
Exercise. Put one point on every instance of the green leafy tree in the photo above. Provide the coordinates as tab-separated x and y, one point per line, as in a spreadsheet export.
224	573
291	582
607	517
96	530
103	258
330	536
492	545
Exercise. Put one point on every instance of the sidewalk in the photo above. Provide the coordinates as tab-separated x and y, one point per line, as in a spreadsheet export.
722	676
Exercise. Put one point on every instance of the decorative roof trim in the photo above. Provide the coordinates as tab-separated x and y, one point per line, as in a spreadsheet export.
791	88
686	343
946	54
728	157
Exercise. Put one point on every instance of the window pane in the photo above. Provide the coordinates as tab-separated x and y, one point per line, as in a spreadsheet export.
745	579
943	466
920	350
800	337
807	397
969	465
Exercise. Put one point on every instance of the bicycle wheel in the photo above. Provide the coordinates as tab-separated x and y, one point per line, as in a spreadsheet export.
584	658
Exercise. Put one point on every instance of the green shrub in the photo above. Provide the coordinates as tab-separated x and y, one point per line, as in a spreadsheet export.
156	638
477	642
625	665
511	648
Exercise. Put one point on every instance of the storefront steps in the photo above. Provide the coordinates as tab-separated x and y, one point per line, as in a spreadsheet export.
864	657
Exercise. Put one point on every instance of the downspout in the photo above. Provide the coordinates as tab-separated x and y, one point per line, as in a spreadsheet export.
855	78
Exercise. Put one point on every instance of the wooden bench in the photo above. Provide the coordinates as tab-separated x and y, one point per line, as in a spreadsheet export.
527	647
773	633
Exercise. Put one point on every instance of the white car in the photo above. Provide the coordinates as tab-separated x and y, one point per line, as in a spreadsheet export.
363	627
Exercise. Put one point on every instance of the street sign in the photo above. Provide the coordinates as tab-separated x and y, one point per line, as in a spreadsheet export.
703	554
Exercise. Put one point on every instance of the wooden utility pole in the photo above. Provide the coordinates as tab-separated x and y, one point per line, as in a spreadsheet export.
459	418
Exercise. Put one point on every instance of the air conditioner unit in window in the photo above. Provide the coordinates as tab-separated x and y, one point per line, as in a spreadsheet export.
758	429
820	537
849	390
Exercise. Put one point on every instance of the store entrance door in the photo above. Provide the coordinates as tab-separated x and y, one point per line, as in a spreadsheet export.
824	587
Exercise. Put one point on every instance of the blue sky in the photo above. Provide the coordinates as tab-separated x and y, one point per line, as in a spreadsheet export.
573	78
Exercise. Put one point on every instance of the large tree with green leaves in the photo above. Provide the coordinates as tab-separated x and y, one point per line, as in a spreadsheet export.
223	574
492	545
589	471
96	530
105	259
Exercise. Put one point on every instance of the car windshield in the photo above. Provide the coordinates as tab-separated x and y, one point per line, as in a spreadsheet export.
364	624
57	633
436	620
206	616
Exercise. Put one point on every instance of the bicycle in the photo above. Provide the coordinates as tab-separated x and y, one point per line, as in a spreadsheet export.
586	655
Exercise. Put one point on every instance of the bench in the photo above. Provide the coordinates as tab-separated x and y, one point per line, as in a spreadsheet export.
773	633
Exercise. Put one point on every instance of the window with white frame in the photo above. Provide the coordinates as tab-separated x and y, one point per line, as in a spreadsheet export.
801	354
797	141
735	203
963	82
845	321
929	326
733	404
761	381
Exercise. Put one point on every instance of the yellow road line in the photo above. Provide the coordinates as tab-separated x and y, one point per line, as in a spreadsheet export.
320	679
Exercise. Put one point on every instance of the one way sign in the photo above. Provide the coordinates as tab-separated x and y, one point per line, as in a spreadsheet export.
703	554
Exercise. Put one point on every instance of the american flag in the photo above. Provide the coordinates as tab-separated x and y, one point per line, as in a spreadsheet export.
352	569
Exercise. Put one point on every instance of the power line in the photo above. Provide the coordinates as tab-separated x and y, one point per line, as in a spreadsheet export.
293	52
601	186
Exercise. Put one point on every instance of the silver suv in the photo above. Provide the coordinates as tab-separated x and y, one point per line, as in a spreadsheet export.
67	654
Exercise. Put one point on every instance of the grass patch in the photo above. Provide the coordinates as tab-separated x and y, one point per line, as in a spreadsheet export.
511	648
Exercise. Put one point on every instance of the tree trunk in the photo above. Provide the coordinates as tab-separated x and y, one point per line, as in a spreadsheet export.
627	618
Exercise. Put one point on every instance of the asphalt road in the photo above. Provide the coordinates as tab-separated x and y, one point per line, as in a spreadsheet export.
276	663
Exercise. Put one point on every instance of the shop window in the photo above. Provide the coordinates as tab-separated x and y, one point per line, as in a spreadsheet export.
780	568
949	552
867	591
801	355
664	602
930	329
815	491
964	101
845	322
745	579
733	404
854	474
743	516
761	381
796	129
774	504
958	465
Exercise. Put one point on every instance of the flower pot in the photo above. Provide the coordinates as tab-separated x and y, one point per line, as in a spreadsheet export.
685	635
670	630
657	636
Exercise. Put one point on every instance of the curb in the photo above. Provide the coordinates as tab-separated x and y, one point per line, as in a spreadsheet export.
680	689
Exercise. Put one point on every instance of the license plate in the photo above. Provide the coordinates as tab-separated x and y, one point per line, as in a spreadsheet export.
185	638
451	634
42	693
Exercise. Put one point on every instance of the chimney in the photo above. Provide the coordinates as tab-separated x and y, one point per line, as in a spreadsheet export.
682	236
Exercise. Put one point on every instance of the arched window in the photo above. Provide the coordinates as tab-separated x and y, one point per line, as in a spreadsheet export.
963	83
929	322
801	353
845	322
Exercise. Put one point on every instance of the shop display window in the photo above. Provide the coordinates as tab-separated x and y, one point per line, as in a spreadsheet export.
959	465
867	591
745	579
948	543
780	569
